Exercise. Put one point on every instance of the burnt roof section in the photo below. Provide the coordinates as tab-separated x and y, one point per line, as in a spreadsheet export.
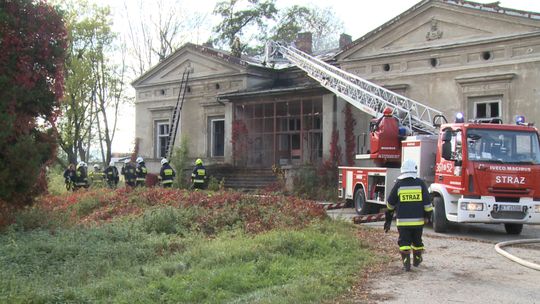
271	91
488	7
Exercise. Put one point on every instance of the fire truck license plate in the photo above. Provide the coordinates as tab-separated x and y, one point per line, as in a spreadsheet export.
509	208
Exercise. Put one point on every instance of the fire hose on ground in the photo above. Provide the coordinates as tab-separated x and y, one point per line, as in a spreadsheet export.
498	248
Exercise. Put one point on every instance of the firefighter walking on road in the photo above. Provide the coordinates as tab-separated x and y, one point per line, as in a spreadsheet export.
166	174
409	198
198	176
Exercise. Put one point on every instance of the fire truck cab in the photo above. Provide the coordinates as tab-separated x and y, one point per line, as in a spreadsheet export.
476	172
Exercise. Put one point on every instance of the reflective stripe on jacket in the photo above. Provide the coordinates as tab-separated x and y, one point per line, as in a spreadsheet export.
199	174
410	199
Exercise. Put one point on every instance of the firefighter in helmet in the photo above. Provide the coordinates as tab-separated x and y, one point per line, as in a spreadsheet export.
409	198
70	176
97	177
141	172
128	171
81	176
198	176
166	174
112	176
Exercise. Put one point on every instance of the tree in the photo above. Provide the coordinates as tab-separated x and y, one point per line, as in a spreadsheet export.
33	39
321	22
94	84
78	115
157	35
236	23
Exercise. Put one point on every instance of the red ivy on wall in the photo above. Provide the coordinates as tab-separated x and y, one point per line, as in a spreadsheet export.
239	141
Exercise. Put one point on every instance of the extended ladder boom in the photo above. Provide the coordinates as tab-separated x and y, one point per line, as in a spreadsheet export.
175	120
361	93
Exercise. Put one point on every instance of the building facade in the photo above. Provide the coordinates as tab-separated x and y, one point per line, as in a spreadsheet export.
452	55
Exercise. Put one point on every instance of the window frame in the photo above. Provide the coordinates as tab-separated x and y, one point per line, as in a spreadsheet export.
212	136
488	109
158	136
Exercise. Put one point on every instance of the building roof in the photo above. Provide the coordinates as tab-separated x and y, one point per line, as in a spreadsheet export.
212	52
488	7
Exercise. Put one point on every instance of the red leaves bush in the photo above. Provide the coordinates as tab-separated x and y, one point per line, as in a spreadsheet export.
33	41
214	211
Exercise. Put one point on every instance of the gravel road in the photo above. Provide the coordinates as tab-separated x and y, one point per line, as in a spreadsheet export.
459	267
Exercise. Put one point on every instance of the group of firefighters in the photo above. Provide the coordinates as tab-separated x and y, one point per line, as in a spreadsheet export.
77	177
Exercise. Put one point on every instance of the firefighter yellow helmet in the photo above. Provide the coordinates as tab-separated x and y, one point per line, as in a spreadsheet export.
198	161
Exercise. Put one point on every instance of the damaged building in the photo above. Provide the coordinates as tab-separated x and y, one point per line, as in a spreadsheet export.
452	55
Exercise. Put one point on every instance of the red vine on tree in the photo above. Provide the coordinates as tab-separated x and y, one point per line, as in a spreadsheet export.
328	170
350	140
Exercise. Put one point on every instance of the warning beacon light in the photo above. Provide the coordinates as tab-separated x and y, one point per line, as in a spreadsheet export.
459	118
520	120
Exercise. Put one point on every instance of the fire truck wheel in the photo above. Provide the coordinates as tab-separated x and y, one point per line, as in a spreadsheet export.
440	222
513	228
360	204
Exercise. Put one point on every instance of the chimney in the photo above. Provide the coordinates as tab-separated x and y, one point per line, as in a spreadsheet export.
208	44
304	42
344	40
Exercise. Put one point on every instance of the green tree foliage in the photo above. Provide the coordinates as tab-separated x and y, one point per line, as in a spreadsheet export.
247	25
321	22
94	84
241	18
180	162
33	42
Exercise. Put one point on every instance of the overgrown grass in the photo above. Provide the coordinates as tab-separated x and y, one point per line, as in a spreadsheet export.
140	260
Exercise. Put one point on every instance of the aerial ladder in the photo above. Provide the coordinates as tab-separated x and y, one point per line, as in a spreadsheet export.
175	119
364	95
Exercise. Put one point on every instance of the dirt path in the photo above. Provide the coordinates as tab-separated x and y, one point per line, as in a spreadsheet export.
455	270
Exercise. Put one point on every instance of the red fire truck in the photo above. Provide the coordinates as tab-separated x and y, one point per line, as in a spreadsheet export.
477	172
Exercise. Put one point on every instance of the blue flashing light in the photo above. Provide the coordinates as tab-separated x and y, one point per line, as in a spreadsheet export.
459	118
402	131
520	119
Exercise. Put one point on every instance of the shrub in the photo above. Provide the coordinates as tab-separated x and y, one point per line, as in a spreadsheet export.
180	162
86	206
215	184
169	220
32	218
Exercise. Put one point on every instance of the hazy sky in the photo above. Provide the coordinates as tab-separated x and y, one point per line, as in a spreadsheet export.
358	16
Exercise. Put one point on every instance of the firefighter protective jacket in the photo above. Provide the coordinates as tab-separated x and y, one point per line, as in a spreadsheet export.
141	172
199	174
410	199
81	177
167	174
129	173
111	173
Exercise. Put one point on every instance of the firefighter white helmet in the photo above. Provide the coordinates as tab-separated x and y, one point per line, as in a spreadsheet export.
96	167
139	160
408	169
81	164
111	163
164	161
